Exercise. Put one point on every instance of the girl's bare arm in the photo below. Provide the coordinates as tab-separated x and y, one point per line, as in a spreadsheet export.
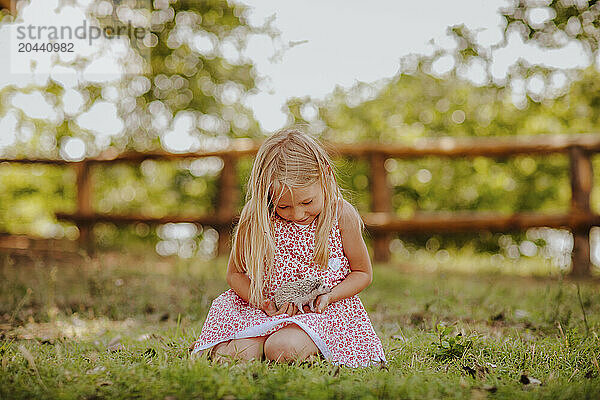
238	281
361	274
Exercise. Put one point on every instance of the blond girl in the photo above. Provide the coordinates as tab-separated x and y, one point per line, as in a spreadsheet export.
295	224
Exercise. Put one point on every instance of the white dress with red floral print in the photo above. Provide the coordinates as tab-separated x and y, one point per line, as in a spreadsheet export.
342	332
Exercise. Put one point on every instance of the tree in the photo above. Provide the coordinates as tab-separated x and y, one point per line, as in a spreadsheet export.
420	102
192	70
554	23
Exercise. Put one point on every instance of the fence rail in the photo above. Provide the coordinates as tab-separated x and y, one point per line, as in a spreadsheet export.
380	221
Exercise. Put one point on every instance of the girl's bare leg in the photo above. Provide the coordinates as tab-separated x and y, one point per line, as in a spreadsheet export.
290	343
239	349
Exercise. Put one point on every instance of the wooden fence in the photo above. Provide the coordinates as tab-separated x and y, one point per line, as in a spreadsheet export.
380	222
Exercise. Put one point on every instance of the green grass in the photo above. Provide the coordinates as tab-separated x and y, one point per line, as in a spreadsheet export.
119	326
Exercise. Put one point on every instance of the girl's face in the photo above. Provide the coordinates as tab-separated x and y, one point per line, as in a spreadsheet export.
301	205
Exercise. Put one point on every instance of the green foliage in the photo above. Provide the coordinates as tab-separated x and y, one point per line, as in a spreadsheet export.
578	20
185	79
433	184
206	86
449	347
156	188
416	103
30	196
202	83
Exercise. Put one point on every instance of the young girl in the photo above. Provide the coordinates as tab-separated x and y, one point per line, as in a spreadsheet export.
294	225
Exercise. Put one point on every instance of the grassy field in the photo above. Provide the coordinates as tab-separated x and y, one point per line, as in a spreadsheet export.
119	326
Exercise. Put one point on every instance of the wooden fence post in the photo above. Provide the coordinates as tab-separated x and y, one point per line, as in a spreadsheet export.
581	188
380	202
226	203
84	204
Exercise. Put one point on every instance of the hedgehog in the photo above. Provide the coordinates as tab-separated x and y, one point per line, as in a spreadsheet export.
300	292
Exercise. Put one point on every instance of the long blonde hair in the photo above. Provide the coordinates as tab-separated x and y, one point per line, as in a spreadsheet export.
289	158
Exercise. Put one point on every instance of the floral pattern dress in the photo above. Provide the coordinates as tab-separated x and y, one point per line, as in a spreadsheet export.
343	332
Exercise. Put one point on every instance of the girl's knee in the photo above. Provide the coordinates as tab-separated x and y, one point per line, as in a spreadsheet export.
279	351
283	346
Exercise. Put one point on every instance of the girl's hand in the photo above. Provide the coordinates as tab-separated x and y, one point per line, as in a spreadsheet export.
291	310
288	308
269	308
322	302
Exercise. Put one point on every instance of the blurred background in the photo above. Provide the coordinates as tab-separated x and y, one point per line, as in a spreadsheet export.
105	135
